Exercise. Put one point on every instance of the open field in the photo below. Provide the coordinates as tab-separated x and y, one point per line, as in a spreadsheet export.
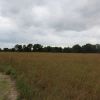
54	76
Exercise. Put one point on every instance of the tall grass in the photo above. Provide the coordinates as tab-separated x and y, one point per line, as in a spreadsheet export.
51	76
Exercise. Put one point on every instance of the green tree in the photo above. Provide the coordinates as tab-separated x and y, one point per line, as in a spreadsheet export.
76	48
29	47
18	47
37	47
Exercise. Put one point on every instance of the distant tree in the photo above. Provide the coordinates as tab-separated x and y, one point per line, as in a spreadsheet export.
89	48
24	48
98	48
56	49
6	49
18	47
52	49
67	50
47	49
12	49
29	47
76	48
0	49
59	49
37	47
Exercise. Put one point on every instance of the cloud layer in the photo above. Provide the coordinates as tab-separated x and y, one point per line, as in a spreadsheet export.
49	22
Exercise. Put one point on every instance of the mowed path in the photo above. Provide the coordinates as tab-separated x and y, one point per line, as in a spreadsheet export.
7	88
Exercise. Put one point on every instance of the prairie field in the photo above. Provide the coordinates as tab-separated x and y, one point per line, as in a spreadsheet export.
54	76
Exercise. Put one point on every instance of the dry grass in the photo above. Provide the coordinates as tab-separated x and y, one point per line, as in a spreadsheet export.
7	88
49	76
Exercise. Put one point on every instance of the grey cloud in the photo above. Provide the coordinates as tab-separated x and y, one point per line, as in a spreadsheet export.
61	15
55	22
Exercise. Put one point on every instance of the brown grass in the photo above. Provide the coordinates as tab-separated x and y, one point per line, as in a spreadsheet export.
51	76
8	89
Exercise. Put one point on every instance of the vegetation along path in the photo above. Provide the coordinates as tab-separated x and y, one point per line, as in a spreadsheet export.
7	88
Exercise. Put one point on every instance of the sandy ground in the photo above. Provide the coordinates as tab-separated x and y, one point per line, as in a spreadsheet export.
7	88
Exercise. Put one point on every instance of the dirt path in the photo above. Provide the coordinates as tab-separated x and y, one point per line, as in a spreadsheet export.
7	88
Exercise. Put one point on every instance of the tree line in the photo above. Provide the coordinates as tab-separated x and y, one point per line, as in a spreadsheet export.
87	48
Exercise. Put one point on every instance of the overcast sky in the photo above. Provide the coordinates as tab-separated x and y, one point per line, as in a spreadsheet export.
49	22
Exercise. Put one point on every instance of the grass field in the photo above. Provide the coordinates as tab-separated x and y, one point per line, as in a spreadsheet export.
54	76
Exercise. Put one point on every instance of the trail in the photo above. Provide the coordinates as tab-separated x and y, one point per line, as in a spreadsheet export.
7	88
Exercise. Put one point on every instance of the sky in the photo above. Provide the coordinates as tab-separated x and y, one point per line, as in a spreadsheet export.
49	22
